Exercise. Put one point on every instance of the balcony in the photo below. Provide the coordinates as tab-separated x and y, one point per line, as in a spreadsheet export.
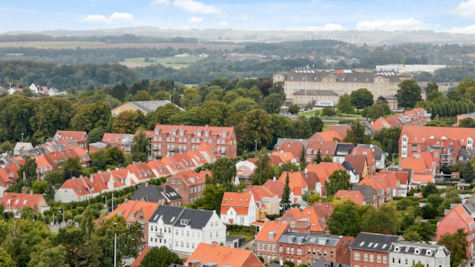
316	257
160	235
155	147
171	149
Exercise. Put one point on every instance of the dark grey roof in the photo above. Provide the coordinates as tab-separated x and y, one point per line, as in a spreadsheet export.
465	155
99	144
367	191
390	97
196	219
351	76
176	265
315	239
407	247
2	89
152	193
377	151
374	242
316	92
280	141
343	149
368	126
275	265
324	263
350	168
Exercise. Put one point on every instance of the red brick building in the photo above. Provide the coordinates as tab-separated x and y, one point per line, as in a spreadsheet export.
371	250
315	143
458	218
188	184
120	140
309	248
323	209
168	140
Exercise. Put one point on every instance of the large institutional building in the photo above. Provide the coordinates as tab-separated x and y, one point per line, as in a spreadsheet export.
302	86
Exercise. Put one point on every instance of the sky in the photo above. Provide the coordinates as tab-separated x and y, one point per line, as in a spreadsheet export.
306	15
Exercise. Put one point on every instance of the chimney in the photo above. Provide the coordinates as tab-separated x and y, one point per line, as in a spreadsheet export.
327	232
273	179
305	170
74	178
146	184
91	178
31	192
108	170
125	201
239	191
214	244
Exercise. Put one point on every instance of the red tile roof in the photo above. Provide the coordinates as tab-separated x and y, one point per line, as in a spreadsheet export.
419	134
222	133
355	196
323	209
330	135
341	130
296	182
209	149
269	226
276	186
295	148
132	207
17	200
222	256
423	178
190	177
139	259
113	138
70	135
368	180
324	169
283	157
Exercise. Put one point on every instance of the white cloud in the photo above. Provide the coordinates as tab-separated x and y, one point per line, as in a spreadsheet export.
122	16
223	23
160	2
392	24
97	19
195	19
244	18
196	7
93	5
112	18
465	9
315	1
469	29
327	27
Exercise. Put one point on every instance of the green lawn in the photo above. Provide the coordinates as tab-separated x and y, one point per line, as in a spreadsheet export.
191	85
52	45
174	62
309	113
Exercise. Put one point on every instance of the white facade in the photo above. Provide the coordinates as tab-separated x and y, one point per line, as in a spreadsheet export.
181	238
406	253
381	164
35	88
68	195
238	218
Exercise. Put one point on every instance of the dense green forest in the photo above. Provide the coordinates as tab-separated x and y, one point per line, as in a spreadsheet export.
126	38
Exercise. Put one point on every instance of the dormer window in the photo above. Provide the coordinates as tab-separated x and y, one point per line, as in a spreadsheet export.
396	249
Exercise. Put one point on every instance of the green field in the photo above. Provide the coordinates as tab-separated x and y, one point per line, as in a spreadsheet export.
174	62
328	123
52	45
191	85
309	113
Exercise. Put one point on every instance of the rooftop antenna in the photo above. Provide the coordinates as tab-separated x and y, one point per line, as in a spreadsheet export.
9	81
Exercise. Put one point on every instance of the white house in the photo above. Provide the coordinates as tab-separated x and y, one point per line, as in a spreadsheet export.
379	155
410	253
181	229
35	88
238	208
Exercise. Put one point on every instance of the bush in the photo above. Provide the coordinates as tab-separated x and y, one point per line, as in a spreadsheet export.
433	221
241	229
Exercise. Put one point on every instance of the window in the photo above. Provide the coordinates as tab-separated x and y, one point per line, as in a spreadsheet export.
210	234
365	257
292	251
288	250
299	251
371	258
378	259
331	254
384	259
357	256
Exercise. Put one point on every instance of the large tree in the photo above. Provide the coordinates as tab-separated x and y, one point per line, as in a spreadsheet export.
95	135
457	244
29	168
361	98
464	85
142	95
467	173
408	94
280	127
286	194
5	259
344	104
272	103
377	110
429	190
128	122
160	257
338	180
263	171
345	220
316	123
294	109
15	114
140	146
254	127
162	115
382	220
215	113
223	172
91	116
51	114
357	134
301	128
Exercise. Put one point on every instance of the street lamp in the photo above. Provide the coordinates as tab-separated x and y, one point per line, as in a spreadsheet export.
256	148
22	137
62	211
115	246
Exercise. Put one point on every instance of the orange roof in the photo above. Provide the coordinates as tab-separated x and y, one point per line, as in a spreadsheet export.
141	170
113	138
368	180
130	208
315	223
327	148
158	166
209	149
139	259
341	130
42	162
221	133
418	165
464	215
236	200
324	169
423	178
370	158
419	134
221	255
70	135
260	191
297	213
276	186
284	156
295	148
196	156
17	200
355	196
330	135
277	227
172	163
190	177
296	181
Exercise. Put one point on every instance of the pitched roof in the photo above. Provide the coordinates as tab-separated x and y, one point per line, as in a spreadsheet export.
418	165
327	147
283	157
463	214
276	186
172	215
132	207
209	149
353	195
292	147
269	226
139	259
70	135
373	242
113	138
158	166
370	157
330	135
245	168
419	134
296	182
324	169
221	133
220	255
423	178
339	129
357	162
240	202
368	180
316	225
152	193
190	177
17	200
323	209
